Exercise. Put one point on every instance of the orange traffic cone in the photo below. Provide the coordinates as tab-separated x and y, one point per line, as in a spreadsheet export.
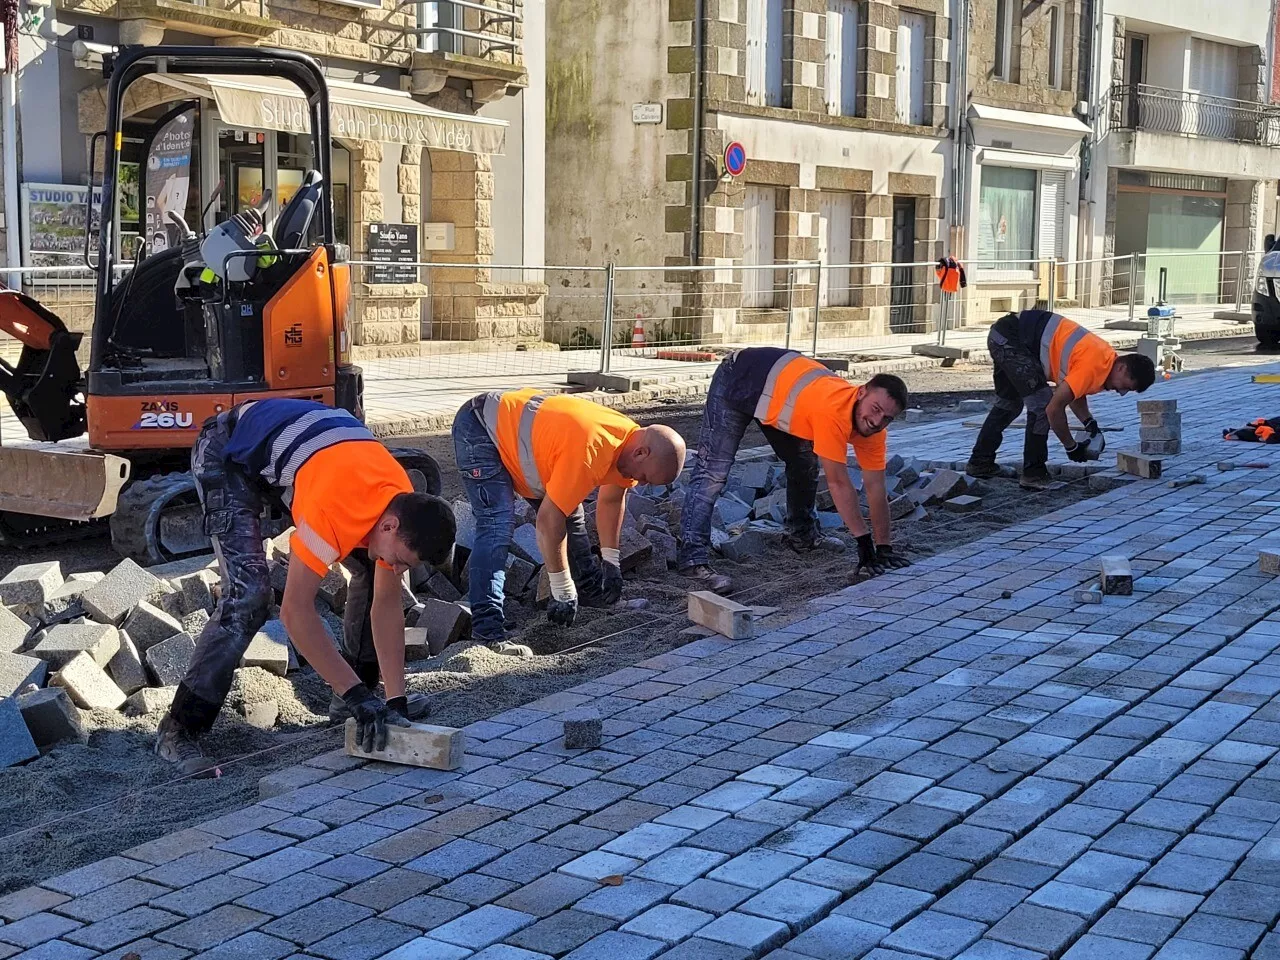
637	334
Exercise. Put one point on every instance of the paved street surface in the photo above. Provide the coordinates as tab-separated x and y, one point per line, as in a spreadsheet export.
957	761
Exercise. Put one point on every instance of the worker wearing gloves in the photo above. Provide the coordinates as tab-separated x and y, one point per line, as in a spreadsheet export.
1047	363
553	451
810	416
346	493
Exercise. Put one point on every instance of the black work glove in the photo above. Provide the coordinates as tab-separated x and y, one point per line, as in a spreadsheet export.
1078	454
868	557
1091	427
372	717
562	612
399	705
611	588
890	560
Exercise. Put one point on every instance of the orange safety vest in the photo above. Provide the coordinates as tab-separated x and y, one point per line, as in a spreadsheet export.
787	378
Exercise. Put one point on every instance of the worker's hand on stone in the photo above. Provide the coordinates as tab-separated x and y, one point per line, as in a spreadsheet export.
889	559
372	716
868	557
1091	427
398	715
562	608
611	585
1078	454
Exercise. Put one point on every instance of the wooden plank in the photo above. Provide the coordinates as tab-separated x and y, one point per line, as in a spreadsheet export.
725	617
417	745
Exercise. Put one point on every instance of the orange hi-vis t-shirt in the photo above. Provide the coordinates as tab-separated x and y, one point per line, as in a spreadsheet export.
821	411
575	446
1088	362
339	494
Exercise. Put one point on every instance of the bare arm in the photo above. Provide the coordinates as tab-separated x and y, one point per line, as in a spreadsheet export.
386	615
551	538
1080	407
306	629
611	506
845	496
878	504
1056	411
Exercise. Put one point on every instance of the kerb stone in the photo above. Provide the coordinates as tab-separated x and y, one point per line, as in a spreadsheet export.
89	685
51	717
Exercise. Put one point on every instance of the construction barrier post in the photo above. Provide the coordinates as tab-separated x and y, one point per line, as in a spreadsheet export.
817	305
791	313
944	311
1133	285
606	326
1053	281
1242	272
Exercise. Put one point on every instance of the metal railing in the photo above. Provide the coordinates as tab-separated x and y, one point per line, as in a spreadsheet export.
477	28
1141	106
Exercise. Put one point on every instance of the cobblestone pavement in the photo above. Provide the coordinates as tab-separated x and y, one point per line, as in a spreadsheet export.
957	761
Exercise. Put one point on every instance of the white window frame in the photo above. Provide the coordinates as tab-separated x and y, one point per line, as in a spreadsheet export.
844	20
1002	65
759	243
1057	45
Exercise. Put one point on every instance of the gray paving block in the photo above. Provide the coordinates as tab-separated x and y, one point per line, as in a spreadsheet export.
975	844
838	938
927	872
1037	928
13	631
756	934
30	584
169	659
982	900
16	743
248	946
844	878
757	869
668	922
1091	947
364	941
710	895
120	591
213	928
1103	871
121	928
1190	874
615	945
62	642
1082	901
874	850
1179	949
935	935
885	905
629	900
318	920
797	904
1148	928
559	933
126	668
88	684
1222	931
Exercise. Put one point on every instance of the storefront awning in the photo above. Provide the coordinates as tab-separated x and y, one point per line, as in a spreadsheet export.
357	112
1047	122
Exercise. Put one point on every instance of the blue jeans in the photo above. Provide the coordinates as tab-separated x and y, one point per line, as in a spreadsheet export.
724	424
492	494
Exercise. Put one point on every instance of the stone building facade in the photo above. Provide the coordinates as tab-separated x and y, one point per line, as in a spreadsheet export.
466	170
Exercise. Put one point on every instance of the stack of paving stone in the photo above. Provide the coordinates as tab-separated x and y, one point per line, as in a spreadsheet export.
97	642
1160	427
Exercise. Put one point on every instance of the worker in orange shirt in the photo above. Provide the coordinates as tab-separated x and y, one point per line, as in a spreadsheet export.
1030	351
349	498
553	451
810	416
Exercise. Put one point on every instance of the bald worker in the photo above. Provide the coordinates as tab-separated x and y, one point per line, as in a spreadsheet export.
553	451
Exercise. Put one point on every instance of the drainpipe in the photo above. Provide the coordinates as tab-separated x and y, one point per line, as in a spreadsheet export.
12	218
959	103
695	186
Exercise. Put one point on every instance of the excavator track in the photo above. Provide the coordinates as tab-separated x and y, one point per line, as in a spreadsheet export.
419	462
158	519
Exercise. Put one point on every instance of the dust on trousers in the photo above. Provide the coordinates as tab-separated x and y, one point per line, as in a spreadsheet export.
1019	381
233	504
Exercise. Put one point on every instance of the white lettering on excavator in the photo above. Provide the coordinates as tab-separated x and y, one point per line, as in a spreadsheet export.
165	421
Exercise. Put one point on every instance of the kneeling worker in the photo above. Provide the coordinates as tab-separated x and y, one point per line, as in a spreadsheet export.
553	451
809	415
346	494
1030	350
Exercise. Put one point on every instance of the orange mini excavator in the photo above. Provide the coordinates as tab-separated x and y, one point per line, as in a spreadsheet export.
244	310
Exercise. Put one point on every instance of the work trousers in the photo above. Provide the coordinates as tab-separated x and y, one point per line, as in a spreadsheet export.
1020	381
491	491
724	424
232	502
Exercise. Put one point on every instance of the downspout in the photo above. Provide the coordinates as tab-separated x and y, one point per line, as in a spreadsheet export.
1086	240
959	103
12	219
695	185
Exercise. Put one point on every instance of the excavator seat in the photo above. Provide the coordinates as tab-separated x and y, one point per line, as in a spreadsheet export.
43	388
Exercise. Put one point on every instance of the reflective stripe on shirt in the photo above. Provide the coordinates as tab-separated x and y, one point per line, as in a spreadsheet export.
524	438
788	408
1064	358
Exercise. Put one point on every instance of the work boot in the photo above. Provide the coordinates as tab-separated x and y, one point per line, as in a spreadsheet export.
818	541
1035	478
982	469
508	649
175	745
708	579
419	708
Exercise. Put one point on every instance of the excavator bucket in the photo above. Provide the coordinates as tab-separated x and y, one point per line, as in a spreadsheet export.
56	483
43	388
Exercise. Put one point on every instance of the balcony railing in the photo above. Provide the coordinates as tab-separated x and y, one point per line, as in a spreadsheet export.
476	28
1141	106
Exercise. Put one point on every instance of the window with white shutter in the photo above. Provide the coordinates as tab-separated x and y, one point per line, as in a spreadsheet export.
842	57
835	241
764	52
758	208
1053	219
910	68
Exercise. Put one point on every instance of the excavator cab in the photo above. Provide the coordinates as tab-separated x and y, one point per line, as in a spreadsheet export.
194	322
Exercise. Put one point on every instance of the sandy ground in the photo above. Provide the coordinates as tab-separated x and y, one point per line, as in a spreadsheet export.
80	803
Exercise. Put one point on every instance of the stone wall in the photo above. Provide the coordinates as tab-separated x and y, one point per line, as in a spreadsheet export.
1028	84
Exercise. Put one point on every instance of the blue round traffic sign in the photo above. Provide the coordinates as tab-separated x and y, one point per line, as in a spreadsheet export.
735	158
